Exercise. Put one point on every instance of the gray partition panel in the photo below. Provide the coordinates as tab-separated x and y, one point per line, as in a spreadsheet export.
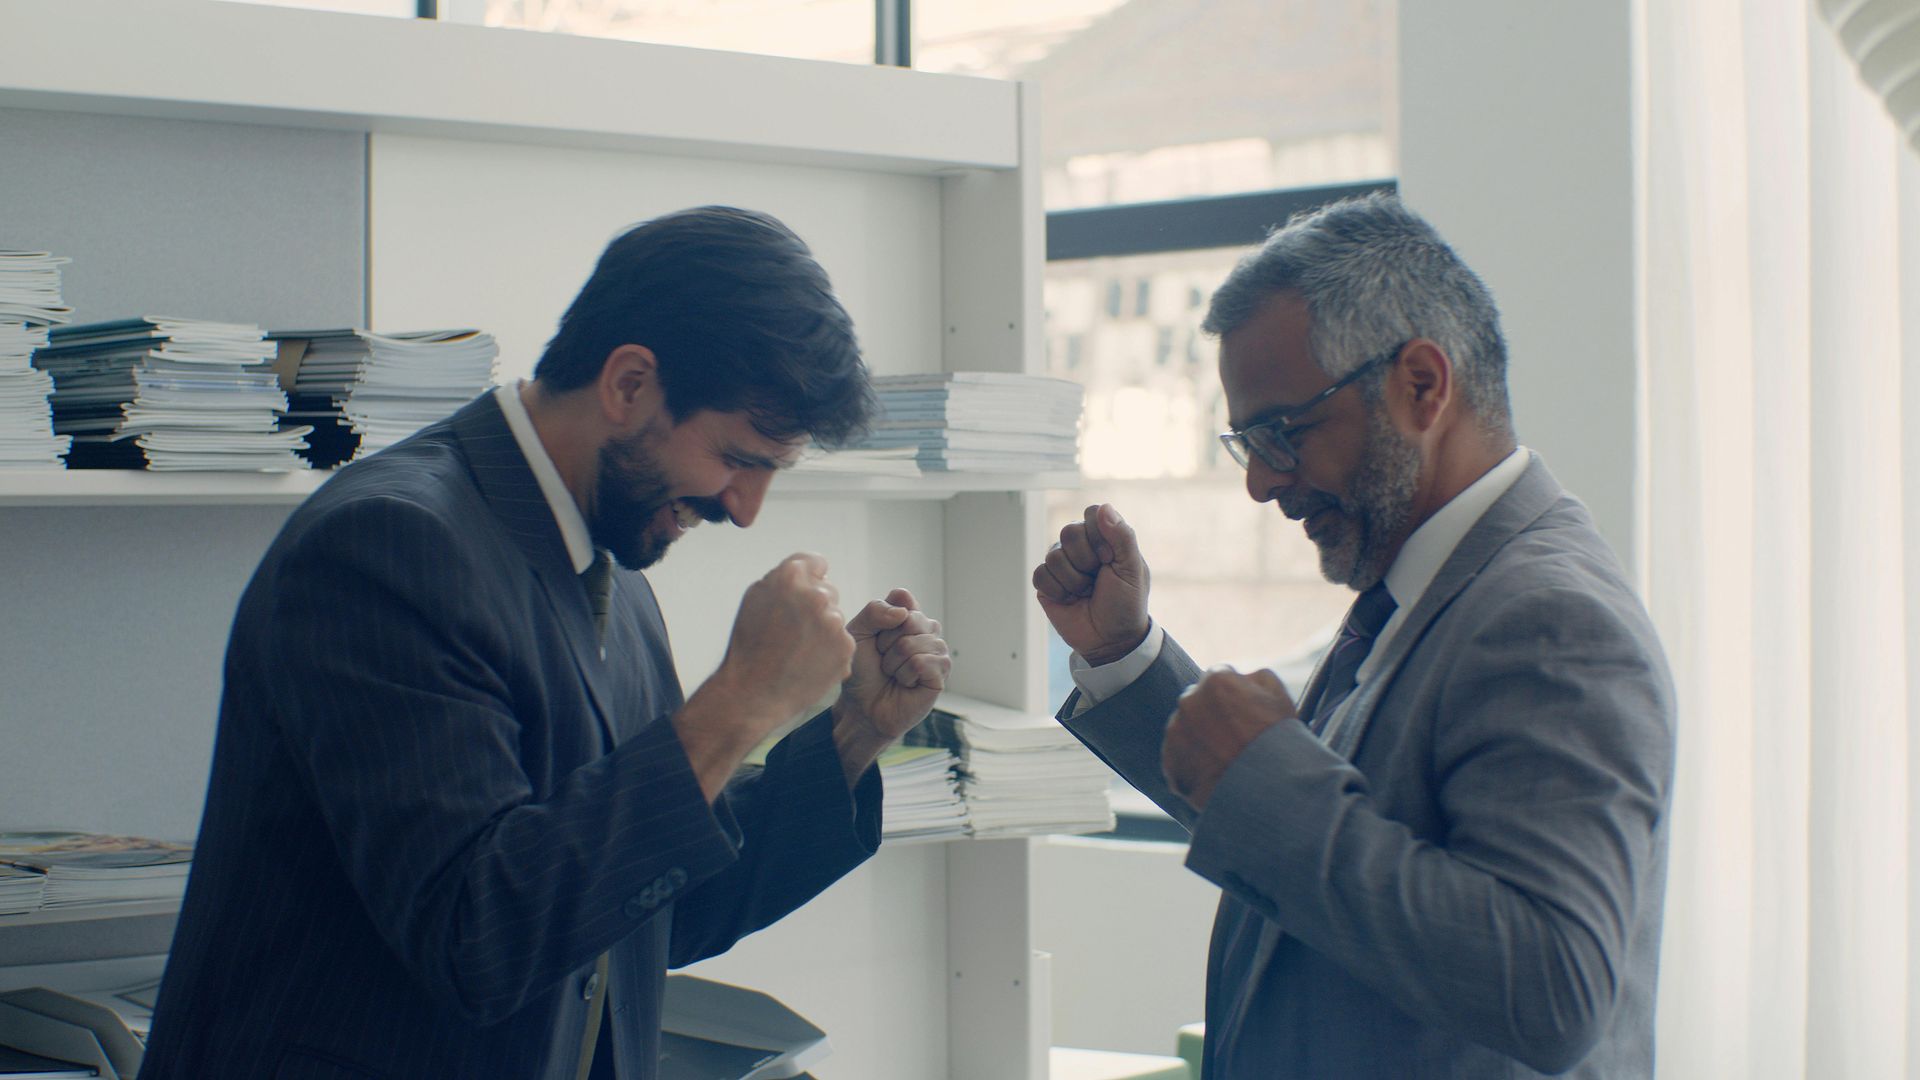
115	622
113	619
234	222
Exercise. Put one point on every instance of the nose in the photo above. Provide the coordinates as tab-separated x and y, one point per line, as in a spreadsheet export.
1264	482
744	494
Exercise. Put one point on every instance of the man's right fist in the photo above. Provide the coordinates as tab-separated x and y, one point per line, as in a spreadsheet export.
1093	586
790	641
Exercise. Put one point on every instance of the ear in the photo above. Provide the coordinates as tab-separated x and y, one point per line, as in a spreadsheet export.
1420	386
628	391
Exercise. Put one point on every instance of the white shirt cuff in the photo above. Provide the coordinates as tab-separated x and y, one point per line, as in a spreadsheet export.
1097	684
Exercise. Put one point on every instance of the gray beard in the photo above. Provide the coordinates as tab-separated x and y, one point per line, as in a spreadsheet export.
1379	502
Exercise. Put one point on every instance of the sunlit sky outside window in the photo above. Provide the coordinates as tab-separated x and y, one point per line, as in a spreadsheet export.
808	29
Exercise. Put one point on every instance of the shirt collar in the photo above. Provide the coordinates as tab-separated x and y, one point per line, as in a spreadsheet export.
1428	549
566	512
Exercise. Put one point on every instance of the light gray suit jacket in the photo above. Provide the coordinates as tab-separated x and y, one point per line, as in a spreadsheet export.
1467	881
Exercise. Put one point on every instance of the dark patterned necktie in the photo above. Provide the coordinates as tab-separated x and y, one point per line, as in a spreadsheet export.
598	578
1364	620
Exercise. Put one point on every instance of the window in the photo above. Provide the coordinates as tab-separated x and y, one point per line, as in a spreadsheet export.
808	29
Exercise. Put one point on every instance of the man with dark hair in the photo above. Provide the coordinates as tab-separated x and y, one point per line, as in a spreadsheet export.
1449	860
461	818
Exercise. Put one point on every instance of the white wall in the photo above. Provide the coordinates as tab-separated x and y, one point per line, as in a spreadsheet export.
1127	925
1517	143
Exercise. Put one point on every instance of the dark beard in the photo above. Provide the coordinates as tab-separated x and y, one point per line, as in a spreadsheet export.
628	494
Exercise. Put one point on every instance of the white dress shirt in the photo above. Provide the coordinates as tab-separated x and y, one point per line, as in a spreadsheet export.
1420	558
566	512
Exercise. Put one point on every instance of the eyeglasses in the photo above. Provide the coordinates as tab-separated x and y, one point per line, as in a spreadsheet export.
1267	439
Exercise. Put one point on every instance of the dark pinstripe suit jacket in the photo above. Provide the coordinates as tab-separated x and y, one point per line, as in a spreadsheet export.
433	804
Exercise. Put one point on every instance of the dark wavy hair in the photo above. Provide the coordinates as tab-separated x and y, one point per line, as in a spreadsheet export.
739	316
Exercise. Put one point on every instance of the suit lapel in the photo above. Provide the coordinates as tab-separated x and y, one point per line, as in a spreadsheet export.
1532	495
507	483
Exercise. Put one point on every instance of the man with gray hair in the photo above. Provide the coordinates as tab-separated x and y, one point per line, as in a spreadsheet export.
1449	859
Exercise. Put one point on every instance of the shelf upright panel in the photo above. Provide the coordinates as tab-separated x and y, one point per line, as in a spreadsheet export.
998	1015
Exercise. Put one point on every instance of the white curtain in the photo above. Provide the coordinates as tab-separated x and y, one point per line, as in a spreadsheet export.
1780	264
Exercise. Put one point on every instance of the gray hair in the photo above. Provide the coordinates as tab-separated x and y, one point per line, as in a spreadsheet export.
1375	276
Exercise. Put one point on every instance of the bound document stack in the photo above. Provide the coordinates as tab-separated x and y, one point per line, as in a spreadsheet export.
365	391
979	421
1020	773
82	869
169	394
923	799
21	891
895	461
29	303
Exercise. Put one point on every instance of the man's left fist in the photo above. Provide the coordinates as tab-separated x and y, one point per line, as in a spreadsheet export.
1216	719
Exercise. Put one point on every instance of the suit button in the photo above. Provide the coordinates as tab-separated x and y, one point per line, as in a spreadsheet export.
592	987
636	907
676	877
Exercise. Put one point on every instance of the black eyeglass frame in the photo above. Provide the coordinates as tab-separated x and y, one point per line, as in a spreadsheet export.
1268	438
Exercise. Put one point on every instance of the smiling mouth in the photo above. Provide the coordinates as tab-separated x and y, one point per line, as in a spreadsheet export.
1320	521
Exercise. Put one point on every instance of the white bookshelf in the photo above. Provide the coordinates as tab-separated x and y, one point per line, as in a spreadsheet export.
919	192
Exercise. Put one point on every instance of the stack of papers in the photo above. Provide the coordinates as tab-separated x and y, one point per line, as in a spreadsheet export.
29	303
896	461
979	421
82	869
166	393
365	391
1020	773
21	891
923	800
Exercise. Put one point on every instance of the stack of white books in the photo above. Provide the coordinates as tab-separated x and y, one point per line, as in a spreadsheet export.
21	891
29	303
1020	773
897	461
82	869
169	394
922	800
979	421
366	391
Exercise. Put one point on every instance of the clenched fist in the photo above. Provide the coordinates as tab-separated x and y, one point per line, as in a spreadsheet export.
900	665
1093	587
1217	718
789	638
788	649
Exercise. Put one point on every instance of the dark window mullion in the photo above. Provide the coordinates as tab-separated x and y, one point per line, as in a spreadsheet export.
1214	221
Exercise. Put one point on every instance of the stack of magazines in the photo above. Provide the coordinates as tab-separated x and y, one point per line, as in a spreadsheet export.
363	391
922	800
1021	774
166	393
80	869
979	421
29	303
21	891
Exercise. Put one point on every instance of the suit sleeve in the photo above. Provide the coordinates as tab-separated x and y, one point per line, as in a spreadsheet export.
1553	753
388	677
801	829
1126	730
